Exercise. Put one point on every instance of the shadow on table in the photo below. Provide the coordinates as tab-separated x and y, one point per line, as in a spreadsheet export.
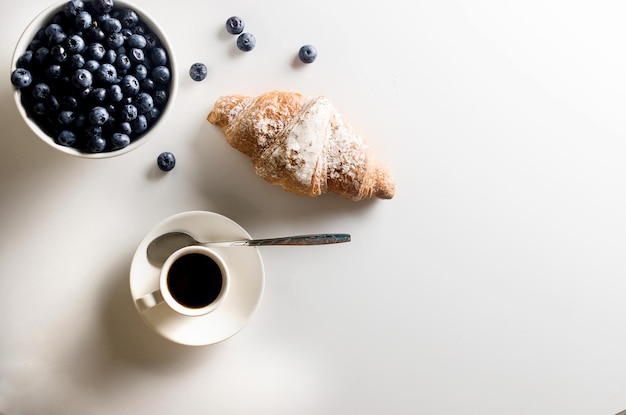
120	349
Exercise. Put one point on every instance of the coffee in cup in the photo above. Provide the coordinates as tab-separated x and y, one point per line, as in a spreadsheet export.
193	282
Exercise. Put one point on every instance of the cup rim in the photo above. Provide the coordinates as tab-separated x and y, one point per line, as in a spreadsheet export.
178	307
26	37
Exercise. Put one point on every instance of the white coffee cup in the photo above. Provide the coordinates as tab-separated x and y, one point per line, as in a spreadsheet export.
194	281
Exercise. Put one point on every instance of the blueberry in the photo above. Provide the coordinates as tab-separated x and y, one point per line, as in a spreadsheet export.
58	54
128	112
120	140
139	124
98	95
53	28
82	78
125	128
83	20
96	144
73	7
102	6
198	71
69	102
96	51
77	61
41	55
41	91
307	54
115	40
53	71
95	34
21	78
75	44
56	38
161	74
144	102
40	108
246	42
158	56
66	117
136	41
128	18
160	97
130	85
107	73
92	66
166	161
153	115
234	25
25	59
109	56
151	41
137	56
140	72
66	138
52	103
98	116
147	84
111	25
115	93
123	63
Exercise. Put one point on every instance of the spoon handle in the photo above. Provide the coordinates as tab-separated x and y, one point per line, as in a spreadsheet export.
314	239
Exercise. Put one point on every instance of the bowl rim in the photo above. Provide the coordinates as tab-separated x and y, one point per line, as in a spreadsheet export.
28	34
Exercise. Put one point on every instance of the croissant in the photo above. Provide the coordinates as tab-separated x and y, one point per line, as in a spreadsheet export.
303	144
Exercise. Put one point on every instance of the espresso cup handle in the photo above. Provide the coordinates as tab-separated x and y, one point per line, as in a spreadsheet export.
150	300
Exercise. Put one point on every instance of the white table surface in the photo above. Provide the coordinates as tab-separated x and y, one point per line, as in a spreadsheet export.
494	282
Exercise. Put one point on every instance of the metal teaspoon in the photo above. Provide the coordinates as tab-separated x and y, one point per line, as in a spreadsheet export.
165	245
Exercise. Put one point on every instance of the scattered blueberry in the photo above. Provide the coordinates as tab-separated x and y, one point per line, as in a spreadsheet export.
234	25
198	71
21	78
94	76
166	161
246	42
307	54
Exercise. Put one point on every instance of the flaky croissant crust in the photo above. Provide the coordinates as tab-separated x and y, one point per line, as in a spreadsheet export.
303	144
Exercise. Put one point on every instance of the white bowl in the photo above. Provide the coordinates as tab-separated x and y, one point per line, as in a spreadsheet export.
40	21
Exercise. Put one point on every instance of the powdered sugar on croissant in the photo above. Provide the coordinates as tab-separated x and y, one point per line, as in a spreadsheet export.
303	144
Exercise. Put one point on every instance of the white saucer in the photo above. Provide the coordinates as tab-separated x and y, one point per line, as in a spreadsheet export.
247	272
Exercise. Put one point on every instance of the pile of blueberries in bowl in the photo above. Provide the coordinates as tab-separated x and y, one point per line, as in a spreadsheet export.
93	77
